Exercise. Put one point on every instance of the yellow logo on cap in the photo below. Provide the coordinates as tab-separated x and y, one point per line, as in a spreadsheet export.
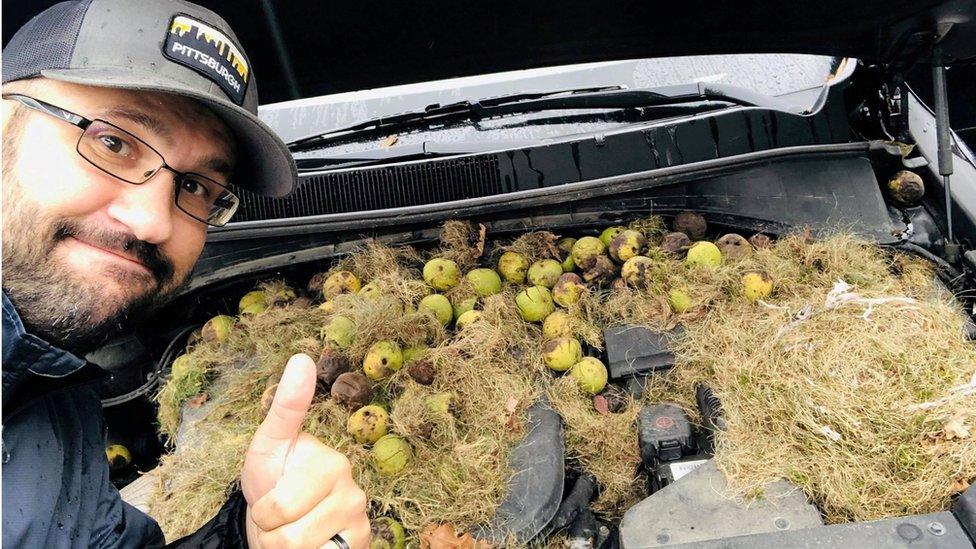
224	47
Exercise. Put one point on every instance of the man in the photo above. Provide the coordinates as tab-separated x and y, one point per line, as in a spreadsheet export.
124	122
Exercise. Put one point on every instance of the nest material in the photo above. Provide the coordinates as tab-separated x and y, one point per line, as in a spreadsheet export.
831	402
460	469
462	242
835	402
604	445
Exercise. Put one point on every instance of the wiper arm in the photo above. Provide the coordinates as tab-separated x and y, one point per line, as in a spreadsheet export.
577	99
434	113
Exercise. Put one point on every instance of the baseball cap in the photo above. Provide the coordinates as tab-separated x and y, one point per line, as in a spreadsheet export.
166	46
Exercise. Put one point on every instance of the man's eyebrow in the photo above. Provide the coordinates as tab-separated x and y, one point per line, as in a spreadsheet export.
219	165
156	127
152	124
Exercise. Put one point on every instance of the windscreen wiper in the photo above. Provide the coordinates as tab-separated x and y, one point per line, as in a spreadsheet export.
432	113
600	98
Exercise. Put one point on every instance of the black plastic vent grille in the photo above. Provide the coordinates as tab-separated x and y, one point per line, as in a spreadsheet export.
379	188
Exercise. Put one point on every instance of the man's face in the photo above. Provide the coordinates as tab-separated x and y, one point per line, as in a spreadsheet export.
83	250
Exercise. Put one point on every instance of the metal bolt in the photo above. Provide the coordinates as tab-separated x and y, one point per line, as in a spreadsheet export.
781	523
937	528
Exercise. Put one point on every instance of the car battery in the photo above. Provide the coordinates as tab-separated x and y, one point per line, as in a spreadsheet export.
664	433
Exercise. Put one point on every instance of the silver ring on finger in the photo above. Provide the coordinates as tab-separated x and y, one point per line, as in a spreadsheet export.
340	541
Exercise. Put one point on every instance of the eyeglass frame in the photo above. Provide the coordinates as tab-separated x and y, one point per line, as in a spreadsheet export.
83	123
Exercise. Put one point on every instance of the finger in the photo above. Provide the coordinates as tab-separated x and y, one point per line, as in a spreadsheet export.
340	512
352	539
313	473
291	402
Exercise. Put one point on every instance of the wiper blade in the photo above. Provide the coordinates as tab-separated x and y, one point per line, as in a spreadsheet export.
432	113
525	103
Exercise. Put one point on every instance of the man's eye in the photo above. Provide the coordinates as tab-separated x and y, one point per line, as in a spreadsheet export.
195	187
114	144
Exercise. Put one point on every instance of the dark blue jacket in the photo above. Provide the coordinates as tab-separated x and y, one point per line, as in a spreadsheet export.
56	489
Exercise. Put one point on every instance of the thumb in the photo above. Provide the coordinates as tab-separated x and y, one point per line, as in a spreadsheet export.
265	459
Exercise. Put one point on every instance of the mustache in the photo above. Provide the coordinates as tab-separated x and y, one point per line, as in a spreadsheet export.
145	252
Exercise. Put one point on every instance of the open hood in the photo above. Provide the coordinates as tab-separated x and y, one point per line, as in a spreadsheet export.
305	48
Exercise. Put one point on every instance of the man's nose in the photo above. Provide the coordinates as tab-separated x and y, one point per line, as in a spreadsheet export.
147	209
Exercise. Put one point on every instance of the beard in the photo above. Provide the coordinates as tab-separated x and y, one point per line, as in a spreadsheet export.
56	302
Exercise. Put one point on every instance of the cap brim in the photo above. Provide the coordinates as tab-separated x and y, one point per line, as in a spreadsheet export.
264	165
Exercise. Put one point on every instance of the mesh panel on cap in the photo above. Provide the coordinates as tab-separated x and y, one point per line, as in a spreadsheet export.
45	42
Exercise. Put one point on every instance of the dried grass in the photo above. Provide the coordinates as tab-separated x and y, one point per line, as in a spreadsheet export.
462	242
535	246
604	445
830	402
460	469
787	393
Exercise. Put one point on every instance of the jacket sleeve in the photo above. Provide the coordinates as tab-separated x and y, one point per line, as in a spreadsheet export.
225	531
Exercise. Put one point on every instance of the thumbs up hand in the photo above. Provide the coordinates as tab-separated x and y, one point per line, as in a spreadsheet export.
300	492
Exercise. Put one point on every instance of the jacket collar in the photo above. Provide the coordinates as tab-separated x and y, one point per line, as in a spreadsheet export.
24	352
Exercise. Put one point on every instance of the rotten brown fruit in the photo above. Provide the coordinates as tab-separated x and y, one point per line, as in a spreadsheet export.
691	224
352	390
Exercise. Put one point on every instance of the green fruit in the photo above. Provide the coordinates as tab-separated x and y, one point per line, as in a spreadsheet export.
484	282
439	305
565	245
182	367
467	318
391	454
254	309
382	360
252	303
441	274
440	403
568	264
413	352
637	270
534	303
217	328
341	330
387	533
513	266
464	306
680	301
557	325
590	374
610	233
119	457
586	250
568	289
756	285
371	291
626	245
340	282
368	424
562	353
545	273
705	254
280	294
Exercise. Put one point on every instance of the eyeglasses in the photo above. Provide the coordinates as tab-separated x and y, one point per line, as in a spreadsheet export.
125	156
